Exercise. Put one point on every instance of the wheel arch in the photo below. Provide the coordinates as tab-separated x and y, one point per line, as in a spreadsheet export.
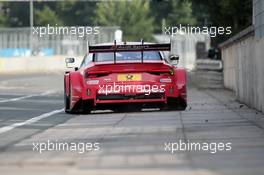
74	84
181	81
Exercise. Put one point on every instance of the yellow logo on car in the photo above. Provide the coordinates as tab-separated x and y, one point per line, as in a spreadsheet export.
129	77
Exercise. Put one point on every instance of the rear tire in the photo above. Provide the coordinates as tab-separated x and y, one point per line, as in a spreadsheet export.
86	107
175	104
66	101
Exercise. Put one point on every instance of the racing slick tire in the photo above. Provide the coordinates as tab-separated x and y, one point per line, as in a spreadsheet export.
66	101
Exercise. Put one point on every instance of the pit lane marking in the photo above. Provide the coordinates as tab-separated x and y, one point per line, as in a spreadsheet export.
30	121
27	96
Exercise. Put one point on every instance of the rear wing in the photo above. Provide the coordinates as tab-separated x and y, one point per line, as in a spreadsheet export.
129	48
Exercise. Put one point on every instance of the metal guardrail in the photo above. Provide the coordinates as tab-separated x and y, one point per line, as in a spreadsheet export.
21	42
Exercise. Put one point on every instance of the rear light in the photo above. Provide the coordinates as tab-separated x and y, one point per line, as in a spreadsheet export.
96	74
160	73
92	81
91	76
169	71
165	80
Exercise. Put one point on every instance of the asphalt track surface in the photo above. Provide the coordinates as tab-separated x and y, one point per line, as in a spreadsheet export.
31	111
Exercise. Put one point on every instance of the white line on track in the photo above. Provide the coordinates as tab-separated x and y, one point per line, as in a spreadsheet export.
27	96
30	121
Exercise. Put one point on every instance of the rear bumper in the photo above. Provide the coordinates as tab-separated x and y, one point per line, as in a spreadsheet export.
170	102
130	101
171	90
131	98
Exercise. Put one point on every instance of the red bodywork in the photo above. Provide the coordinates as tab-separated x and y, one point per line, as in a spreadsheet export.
82	87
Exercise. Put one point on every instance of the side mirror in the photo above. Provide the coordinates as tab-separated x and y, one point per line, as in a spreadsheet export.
69	61
174	57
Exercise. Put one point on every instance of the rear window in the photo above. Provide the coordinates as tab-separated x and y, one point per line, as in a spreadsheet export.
124	56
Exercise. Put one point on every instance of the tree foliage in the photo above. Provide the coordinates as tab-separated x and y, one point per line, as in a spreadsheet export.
47	16
181	13
235	13
14	14
132	16
77	13
173	12
3	20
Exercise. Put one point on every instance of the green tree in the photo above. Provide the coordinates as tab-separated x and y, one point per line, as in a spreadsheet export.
16	14
47	16
132	16
160	10
181	13
76	12
223	13
3	18
235	13
200	11
3	21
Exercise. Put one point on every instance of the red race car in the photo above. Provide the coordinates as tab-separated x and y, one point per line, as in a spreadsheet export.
125	76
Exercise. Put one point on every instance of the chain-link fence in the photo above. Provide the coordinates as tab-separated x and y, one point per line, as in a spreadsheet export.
22	42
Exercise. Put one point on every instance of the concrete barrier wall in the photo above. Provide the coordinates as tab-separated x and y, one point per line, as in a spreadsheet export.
243	67
35	64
